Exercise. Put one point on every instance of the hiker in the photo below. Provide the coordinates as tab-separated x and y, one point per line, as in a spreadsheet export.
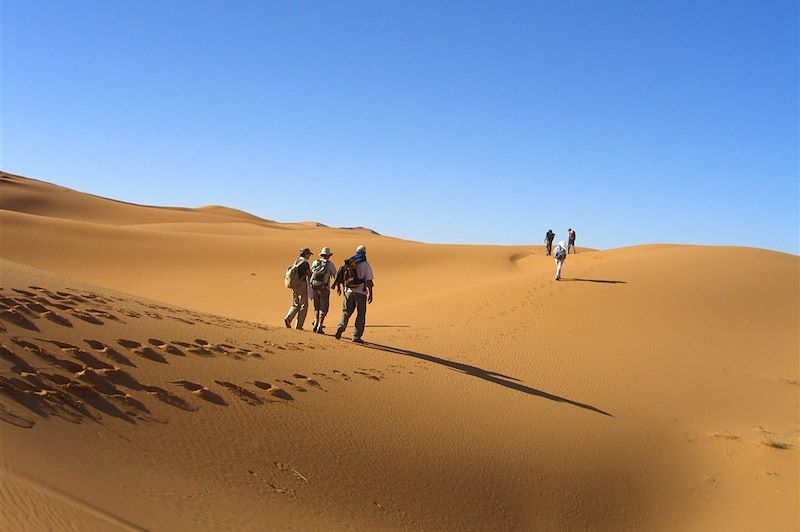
297	279
548	239
560	255
356	276
571	240
322	271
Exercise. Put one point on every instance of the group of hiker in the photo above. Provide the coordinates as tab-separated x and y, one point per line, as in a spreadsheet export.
562	249
315	280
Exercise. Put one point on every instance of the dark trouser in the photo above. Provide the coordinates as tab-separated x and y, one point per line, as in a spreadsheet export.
571	246
354	302
549	247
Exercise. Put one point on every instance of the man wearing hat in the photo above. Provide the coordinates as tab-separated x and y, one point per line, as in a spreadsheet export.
299	306
357	294
322	271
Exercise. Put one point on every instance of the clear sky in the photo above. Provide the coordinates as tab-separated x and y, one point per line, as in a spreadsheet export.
474	122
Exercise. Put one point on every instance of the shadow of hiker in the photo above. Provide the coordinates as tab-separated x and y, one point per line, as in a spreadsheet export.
593	280
496	378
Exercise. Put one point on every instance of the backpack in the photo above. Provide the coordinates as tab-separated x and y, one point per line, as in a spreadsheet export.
320	276
560	253
347	273
292	278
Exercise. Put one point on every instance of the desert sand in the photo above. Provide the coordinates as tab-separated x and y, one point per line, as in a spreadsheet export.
147	380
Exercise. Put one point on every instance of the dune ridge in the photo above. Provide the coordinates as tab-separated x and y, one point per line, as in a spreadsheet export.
147	381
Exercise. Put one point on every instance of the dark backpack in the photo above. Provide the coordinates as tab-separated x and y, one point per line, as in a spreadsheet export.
347	275
560	253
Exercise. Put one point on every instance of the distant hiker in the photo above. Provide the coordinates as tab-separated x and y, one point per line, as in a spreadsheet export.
571	240
356	276
297	280
560	255
322	271
548	239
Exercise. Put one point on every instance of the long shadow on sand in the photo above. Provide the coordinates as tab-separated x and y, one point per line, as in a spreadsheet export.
593	280
496	378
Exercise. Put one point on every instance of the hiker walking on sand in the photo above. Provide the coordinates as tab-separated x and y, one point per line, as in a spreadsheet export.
322	271
560	255
571	240
356	276
297	279
548	239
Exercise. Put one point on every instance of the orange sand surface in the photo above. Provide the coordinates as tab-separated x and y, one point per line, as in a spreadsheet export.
147	380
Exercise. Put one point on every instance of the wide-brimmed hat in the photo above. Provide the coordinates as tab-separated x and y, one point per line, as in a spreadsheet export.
361	249
326	252
305	251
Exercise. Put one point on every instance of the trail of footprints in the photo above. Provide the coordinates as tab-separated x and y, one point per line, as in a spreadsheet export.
51	378
24	307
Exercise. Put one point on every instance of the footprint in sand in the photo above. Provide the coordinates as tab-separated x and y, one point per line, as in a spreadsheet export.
103	314
295	386
16	317
68	365
12	418
371	374
121	378
181	320
64	346
89	360
19	364
57	318
202	392
274	391
45	401
341	374
129	344
99	382
170	398
200	351
245	395
24	292
171	349
310	382
150	354
110	352
88	318
36	350
36	307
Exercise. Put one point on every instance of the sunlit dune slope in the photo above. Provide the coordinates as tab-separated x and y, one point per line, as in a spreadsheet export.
147	380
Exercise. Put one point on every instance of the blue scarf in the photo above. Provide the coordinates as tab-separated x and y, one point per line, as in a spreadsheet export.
360	256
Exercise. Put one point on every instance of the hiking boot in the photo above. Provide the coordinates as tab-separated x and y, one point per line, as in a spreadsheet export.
287	322
358	340
338	334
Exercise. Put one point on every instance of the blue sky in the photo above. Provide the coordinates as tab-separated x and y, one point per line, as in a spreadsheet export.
473	122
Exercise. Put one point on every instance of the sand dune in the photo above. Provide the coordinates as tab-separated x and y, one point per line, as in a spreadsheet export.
147	381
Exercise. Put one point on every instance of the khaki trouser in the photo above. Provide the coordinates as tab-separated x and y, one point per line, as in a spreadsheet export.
559	264
322	300
299	306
